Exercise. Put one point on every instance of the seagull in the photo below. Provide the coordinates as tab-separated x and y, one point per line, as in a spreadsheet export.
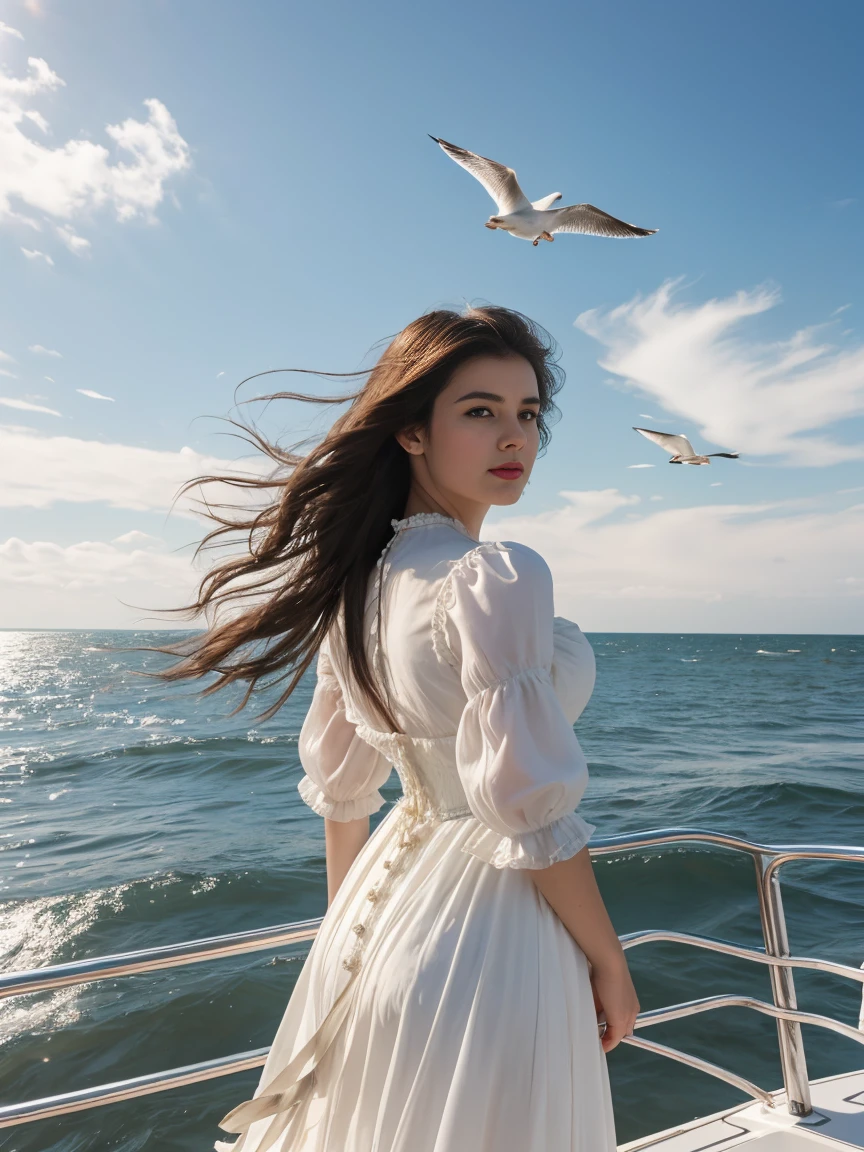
681	448
537	221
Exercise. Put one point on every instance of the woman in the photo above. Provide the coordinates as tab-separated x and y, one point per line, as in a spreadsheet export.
449	1002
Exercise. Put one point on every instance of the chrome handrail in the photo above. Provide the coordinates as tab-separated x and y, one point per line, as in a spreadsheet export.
708	1003
703	1065
130	1089
711	944
155	959
776	955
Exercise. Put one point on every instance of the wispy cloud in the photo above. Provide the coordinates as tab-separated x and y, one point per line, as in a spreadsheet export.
640	465
75	243
6	372
5	356
73	180
34	253
5	30
94	395
42	471
765	399
26	406
41	350
770	566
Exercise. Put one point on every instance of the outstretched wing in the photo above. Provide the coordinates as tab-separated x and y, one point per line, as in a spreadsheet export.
499	181
594	222
674	445
546	202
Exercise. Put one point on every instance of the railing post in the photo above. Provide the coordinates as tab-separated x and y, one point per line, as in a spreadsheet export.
792	1058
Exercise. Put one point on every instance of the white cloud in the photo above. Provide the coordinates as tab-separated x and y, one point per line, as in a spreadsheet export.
764	399
76	244
137	539
6	372
640	465
42	471
94	395
5	30
50	379
38	119
618	565
79	177
40	350
24	406
35	254
6	356
770	567
86	584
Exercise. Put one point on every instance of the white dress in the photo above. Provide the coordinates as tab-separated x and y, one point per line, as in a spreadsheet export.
443	1006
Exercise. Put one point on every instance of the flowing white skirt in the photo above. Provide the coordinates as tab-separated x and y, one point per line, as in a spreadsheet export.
467	1023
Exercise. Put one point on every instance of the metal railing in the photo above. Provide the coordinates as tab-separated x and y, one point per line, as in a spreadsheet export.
767	860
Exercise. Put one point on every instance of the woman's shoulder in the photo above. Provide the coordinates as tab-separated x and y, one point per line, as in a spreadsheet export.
497	560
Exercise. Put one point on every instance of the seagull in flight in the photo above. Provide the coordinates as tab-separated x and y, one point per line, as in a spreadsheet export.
537	221
681	448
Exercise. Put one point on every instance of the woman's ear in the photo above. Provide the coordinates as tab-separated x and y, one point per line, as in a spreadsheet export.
411	440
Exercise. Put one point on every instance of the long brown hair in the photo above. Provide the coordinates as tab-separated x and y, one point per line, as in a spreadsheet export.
310	550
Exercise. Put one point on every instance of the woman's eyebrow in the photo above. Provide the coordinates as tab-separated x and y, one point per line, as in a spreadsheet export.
493	396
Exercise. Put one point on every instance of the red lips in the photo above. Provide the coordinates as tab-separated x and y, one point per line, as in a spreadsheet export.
510	471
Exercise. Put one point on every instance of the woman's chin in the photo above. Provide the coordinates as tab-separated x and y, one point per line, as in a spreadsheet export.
506	499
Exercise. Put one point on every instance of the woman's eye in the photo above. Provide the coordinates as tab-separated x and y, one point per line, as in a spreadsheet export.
482	408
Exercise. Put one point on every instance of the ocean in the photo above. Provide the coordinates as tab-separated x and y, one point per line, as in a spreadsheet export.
134	813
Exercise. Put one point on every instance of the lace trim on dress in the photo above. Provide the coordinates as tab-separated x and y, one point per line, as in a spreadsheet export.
342	810
417	519
446	598
559	840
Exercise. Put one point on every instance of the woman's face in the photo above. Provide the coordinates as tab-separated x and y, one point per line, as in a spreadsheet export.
483	419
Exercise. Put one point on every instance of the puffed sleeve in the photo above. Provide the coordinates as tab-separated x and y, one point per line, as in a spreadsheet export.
573	667
342	772
520	763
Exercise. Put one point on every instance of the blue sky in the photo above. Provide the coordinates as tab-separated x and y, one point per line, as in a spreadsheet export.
278	202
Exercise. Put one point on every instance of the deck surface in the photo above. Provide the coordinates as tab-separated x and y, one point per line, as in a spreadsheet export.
837	1122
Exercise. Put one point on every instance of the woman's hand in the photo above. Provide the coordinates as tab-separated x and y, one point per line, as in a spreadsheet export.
615	1000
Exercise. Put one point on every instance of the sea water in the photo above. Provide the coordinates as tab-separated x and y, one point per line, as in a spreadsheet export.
134	814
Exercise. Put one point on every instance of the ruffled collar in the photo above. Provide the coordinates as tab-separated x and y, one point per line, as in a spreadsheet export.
427	519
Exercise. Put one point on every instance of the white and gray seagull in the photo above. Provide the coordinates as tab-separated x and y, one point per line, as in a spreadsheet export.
681	448
537	221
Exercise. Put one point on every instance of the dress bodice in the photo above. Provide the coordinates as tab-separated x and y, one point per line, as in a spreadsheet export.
485	683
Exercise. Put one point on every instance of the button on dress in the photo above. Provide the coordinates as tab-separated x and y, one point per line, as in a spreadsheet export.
443	1006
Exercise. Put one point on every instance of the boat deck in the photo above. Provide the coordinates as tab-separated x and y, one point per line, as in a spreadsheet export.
837	1121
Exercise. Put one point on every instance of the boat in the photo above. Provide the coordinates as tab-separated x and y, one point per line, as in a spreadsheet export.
799	1116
